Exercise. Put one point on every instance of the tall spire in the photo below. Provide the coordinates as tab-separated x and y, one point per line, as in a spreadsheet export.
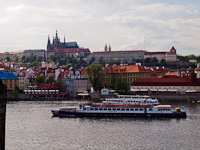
49	42
109	48
105	48
56	35
64	38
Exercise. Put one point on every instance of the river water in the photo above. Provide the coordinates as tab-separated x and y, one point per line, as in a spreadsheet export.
30	126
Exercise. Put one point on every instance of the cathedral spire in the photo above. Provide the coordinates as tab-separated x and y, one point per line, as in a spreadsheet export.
64	38
49	42
56	35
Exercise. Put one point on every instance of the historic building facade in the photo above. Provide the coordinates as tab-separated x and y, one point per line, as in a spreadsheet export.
122	57
127	74
168	84
9	79
169	57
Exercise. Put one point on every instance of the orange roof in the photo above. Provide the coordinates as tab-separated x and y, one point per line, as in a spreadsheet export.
197	69
83	72
172	73
125	69
63	73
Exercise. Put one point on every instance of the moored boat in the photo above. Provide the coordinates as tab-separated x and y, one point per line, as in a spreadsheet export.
132	99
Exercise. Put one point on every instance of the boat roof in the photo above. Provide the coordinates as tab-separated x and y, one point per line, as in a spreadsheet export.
163	106
133	96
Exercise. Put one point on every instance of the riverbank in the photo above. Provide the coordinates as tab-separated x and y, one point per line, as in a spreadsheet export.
161	97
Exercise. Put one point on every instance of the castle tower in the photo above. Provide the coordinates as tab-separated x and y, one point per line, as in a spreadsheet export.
173	50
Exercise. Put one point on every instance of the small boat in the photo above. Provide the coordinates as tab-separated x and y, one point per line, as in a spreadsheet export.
124	110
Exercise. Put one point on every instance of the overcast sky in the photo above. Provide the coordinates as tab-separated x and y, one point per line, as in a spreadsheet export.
152	25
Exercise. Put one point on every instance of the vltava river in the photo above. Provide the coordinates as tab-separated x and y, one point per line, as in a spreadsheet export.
30	126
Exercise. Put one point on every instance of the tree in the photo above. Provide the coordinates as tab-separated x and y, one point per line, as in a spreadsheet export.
95	73
147	60
101	61
16	90
6	59
15	58
61	84
163	62
52	58
50	79
92	60
40	79
121	87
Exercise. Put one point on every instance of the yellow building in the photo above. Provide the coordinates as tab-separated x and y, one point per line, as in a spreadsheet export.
127	74
9	79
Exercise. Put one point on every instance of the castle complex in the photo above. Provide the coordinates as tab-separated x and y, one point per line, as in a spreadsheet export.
62	49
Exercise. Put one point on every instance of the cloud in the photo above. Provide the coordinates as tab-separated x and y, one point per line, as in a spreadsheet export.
140	44
125	24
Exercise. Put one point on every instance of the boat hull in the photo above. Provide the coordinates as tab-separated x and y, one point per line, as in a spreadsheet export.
118	115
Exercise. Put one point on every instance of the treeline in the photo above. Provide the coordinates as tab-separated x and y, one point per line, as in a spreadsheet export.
67	61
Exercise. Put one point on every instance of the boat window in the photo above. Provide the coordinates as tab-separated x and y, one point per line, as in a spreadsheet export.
118	108
132	109
136	109
84	108
141	109
109	108
91	108
114	108
150	109
127	109
96	108
105	108
100	108
123	109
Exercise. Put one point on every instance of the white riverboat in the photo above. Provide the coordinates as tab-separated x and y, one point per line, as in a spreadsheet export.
132	99
121	110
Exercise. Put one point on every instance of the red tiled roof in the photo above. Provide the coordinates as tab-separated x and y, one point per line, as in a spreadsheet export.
172	81
125	69
63	73
83	72
47	86
72	50
133	51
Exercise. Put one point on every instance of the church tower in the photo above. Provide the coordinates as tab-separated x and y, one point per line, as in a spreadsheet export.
56	41
173	50
106	48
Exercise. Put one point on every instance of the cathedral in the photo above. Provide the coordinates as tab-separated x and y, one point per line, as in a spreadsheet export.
65	48
59	45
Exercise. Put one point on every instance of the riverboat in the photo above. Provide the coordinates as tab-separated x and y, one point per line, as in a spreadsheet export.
121	110
132	99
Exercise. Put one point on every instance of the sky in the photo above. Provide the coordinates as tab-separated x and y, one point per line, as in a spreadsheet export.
151	25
